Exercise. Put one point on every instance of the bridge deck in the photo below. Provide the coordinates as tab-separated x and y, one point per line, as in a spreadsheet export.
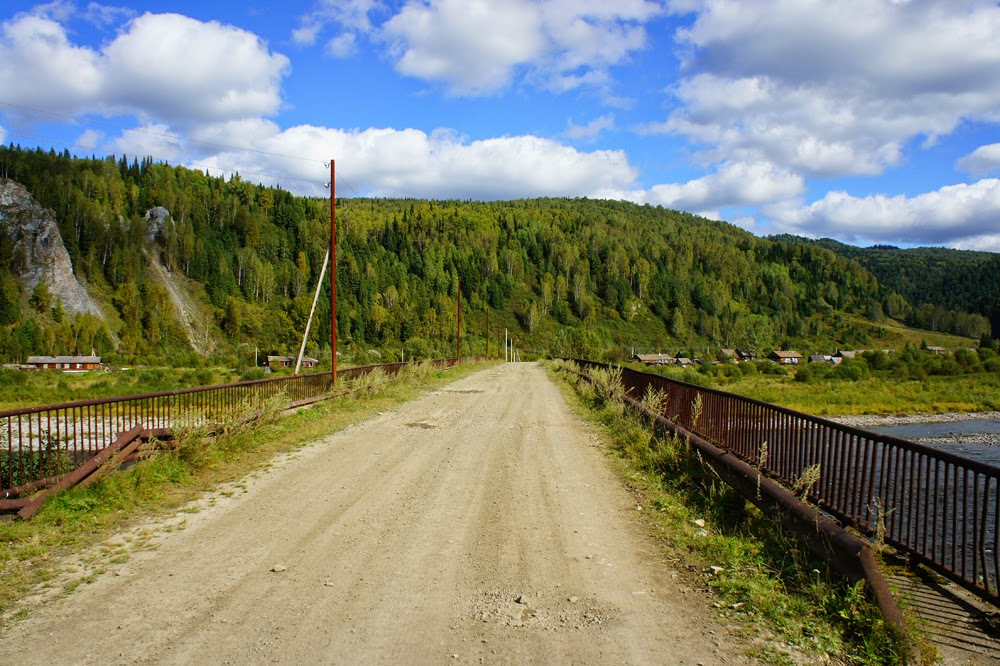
478	523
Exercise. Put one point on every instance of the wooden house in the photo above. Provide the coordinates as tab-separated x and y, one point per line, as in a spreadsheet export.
785	357
62	363
653	359
289	362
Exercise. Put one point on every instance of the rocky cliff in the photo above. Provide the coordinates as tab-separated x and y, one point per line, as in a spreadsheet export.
36	237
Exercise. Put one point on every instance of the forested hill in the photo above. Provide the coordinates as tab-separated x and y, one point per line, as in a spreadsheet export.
569	276
934	280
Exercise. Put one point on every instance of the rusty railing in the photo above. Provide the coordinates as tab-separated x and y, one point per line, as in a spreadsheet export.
939	508
39	444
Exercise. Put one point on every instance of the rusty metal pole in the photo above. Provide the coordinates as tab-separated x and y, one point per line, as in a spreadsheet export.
487	332
333	268
459	349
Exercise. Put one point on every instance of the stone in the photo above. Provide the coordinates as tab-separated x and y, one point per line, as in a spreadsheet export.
35	236
278	568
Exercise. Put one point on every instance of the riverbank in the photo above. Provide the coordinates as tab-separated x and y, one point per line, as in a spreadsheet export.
868	421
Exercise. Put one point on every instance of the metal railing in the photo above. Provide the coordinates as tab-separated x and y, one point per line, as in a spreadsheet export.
939	508
40	443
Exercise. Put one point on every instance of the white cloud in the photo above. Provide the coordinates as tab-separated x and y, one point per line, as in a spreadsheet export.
472	45
399	162
90	139
40	67
981	161
102	15
160	65
478	47
306	33
589	131
962	214
733	184
342	46
836	88
185	68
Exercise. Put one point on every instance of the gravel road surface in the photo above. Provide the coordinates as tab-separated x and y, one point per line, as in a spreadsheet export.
479	524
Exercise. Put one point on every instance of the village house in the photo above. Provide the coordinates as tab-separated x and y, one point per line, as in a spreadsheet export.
653	359
848	354
746	354
727	355
940	351
62	363
821	358
785	357
289	362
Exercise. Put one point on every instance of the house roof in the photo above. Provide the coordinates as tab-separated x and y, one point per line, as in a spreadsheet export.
936	349
291	359
647	358
35	360
786	353
728	352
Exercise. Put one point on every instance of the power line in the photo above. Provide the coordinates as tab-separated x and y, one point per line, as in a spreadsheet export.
159	134
190	166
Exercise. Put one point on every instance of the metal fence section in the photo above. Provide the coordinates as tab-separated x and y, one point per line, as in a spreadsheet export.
39	443
941	509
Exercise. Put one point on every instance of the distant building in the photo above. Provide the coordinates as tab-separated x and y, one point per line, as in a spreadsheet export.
62	363
848	354
653	359
821	358
746	354
785	357
940	351
289	362
727	355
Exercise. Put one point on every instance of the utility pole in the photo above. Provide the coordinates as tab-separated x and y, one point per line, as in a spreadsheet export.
487	332
333	268
506	356
459	347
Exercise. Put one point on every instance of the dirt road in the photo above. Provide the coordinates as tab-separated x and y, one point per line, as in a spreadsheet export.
478	524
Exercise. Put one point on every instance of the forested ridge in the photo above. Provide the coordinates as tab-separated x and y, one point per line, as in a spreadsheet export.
939	282
572	276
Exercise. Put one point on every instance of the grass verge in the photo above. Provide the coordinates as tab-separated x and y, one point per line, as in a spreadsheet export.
33	553
791	606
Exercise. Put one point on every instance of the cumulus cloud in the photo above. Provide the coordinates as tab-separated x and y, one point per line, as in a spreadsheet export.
165	66
102	15
472	45
981	161
477	47
342	46
589	131
960	215
733	184
833	89
40	67
401	162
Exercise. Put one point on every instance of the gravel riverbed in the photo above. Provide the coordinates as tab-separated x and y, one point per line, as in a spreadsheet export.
979	438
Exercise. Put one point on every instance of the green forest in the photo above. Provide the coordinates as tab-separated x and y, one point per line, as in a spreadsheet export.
564	276
939	282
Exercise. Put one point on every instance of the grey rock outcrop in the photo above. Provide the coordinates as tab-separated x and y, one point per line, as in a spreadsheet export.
36	237
155	219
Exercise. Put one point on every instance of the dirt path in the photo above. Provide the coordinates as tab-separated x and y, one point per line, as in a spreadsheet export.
478	524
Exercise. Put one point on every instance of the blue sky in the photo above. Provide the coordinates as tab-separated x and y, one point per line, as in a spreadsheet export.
869	121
